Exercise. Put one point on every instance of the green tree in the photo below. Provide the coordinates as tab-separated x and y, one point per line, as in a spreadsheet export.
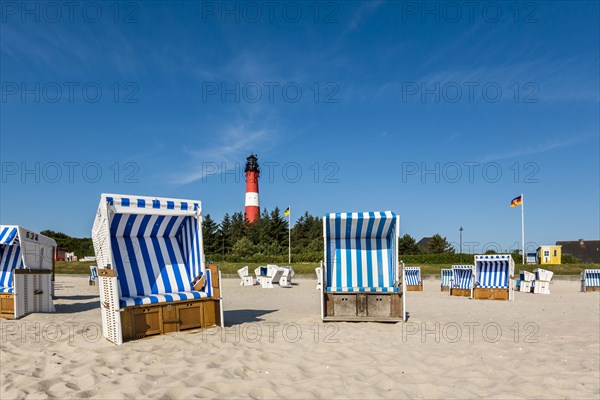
408	245
243	248
210	235
439	244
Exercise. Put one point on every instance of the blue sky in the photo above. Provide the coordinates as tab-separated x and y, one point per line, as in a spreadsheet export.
441	114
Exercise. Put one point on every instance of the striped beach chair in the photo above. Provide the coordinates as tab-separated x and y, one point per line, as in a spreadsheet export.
590	280
362	279
462	280
413	279
494	277
446	279
152	275
26	272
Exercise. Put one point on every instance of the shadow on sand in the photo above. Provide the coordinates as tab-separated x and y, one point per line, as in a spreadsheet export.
234	317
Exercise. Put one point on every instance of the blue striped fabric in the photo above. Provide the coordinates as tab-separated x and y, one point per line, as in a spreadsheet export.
155	256
413	276
446	277
363	289
463	276
7	234
360	251
11	260
134	202
7	290
592	277
492	271
168	297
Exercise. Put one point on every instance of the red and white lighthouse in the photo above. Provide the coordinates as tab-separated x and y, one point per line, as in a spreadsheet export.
252	172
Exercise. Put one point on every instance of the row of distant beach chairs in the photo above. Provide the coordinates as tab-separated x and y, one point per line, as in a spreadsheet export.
460	281
153	279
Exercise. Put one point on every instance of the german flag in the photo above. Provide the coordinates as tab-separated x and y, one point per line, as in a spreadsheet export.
517	201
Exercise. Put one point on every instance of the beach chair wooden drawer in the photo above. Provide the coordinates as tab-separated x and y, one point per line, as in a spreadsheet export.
379	306
7	306
146	321
460	292
190	315
490	294
344	305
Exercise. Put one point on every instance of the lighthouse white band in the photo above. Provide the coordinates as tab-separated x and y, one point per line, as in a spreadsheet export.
252	199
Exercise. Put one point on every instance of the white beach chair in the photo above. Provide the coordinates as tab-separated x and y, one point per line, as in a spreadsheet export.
319	273
494	277
286	276
362	278
526	281
413	279
541	284
269	275
590	280
462	280
153	278
247	280
26	272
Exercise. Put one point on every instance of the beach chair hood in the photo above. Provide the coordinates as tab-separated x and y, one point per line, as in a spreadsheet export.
361	251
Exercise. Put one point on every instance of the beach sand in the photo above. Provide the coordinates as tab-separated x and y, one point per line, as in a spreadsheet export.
275	346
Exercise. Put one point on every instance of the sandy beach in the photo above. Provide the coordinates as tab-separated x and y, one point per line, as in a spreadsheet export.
275	346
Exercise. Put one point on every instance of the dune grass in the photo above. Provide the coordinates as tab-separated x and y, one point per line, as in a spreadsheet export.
83	268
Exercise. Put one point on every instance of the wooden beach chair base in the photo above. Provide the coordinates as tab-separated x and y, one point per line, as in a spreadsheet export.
445	288
460	292
490	294
592	288
157	319
414	288
7	305
363	307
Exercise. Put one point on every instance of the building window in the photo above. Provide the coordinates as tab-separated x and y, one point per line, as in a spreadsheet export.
554	253
546	253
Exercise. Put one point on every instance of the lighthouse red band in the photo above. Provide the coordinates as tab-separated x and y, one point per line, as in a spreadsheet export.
252	172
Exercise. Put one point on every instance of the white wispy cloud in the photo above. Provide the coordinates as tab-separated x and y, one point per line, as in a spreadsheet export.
234	143
542	148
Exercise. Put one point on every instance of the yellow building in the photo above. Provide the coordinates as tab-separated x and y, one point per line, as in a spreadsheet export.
549	254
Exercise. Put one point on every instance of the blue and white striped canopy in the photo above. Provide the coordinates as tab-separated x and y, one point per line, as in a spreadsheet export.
8	234
413	275
360	251
592	277
462	276
156	247
493	271
10	256
446	276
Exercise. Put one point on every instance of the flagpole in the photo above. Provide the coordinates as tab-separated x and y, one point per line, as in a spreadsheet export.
289	235
523	227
